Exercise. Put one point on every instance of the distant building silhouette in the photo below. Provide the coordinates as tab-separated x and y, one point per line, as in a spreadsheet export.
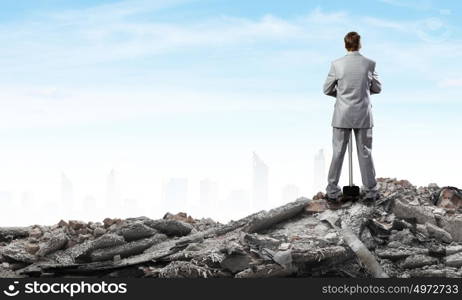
238	203
208	193
26	199
67	192
319	175
290	192
175	194
130	207
112	195
5	198
89	203
260	182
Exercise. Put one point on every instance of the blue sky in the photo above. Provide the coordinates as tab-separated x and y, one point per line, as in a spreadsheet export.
159	89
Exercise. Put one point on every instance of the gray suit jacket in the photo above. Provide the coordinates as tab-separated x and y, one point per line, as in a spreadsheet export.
351	80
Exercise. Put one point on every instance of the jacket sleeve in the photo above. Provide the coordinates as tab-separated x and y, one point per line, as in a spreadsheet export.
376	86
330	86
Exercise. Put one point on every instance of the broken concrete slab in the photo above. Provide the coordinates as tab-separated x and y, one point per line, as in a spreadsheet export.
435	271
11	233
417	261
452	224
135	231
16	251
267	219
55	242
421	214
184	269
453	249
399	253
449	198
236	262
171	227
82	251
265	271
128	249
438	233
316	206
454	260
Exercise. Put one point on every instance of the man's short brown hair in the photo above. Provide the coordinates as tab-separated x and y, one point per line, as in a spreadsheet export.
352	41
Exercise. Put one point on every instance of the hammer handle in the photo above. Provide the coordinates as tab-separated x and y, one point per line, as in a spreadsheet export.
350	158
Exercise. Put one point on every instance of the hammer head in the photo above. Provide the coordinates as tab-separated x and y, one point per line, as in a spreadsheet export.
351	192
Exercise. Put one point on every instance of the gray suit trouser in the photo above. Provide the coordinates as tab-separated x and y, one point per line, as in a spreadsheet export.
340	139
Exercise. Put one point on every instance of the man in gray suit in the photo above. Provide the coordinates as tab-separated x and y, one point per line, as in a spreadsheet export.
351	79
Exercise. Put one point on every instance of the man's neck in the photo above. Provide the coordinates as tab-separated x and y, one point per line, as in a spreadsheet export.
353	52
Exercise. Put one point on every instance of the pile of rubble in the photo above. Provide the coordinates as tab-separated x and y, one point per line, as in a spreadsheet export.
409	232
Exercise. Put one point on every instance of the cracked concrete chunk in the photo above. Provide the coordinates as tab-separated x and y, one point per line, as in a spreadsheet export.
10	233
128	249
454	260
32	248
316	206
405	237
399	253
16	250
56	242
135	231
235	262
438	233
183	269
422	214
418	261
170	227
453	249
265	271
453	225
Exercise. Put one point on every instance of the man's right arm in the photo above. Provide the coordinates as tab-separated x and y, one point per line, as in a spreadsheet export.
330	86
376	86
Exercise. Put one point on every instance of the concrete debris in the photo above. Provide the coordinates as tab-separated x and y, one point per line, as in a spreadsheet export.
128	249
409	232
317	206
267	219
417	261
171	227
54	243
449	198
134	231
438	233
10	233
454	260
452	224
184	269
181	216
421	214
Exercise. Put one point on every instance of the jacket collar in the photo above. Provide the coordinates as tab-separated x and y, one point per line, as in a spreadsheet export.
353	53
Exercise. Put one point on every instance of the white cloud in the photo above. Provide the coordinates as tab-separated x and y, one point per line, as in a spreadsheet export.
445	11
454	82
413	4
321	17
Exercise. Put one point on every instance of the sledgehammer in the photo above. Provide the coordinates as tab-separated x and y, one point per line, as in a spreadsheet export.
351	191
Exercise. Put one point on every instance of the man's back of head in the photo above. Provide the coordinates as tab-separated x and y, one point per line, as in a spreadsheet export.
352	41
